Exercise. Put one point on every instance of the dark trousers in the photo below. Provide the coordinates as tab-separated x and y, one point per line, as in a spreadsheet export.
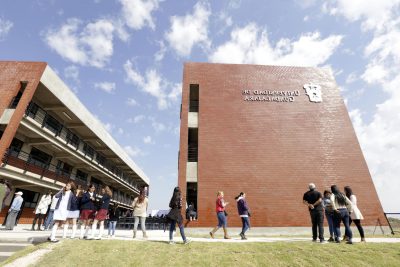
345	218
317	220
172	229
359	227
40	217
11	219
245	224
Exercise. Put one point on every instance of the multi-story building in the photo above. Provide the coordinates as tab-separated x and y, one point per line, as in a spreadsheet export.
267	131
48	137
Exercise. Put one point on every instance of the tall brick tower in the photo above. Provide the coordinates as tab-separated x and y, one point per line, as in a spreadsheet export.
267	131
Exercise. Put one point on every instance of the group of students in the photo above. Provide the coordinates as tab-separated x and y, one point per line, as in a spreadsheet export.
72	203
338	207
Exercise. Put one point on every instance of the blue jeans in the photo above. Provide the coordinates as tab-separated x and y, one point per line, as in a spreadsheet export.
48	224
111	227
172	228
345	218
221	219
329	218
245	224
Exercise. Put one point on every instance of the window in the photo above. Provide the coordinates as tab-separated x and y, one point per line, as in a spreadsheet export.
39	158
52	124
81	176
194	98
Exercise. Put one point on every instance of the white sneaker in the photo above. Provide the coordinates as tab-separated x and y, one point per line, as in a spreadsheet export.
171	242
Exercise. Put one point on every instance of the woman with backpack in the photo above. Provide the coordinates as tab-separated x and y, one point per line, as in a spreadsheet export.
341	206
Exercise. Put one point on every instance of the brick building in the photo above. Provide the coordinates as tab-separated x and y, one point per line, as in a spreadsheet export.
267	131
48	137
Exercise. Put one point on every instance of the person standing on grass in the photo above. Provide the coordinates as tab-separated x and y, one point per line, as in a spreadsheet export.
221	215
65	198
113	215
175	216
313	200
326	201
88	209
41	210
244	214
341	206
73	213
139	206
356	215
101	215
14	210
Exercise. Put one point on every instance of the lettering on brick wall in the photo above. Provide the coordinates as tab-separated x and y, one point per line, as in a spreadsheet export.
270	95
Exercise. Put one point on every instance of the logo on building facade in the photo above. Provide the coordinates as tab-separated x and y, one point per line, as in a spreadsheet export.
314	92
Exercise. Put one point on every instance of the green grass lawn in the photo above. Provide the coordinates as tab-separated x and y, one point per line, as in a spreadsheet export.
130	253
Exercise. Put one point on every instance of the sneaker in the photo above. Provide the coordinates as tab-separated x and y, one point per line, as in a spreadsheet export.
331	239
363	240
349	242
314	240
337	240
171	242
145	236
187	241
54	240
323	241
212	235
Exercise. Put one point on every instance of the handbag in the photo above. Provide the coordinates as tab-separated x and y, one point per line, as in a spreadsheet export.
226	214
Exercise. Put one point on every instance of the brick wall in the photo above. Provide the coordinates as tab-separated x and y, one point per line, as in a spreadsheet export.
11	74
270	150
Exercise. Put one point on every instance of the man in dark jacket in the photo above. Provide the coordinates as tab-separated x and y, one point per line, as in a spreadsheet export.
313	200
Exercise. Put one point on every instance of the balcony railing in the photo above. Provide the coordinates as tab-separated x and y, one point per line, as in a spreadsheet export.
194	106
47	121
24	161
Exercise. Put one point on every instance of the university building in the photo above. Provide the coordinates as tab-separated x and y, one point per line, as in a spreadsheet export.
48	137
267	131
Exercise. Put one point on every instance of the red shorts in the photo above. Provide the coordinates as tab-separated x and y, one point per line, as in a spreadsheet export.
101	215
87	215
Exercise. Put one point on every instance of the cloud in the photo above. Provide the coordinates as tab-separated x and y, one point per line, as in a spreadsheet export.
109	127
153	84
148	140
137	13
107	87
379	135
374	14
5	27
250	44
189	30
88	45
131	102
132	151
158	126
160	53
137	119
72	72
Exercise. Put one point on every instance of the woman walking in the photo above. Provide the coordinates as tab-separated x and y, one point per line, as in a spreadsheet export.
243	210
139	206
341	206
221	215
65	198
101	215
356	215
87	209
175	216
326	201
113	215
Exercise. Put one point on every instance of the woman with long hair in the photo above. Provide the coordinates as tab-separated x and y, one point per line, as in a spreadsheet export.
356	215
341	206
139	206
101	215
73	213
113	215
66	197
175	216
88	209
326	201
244	214
220	205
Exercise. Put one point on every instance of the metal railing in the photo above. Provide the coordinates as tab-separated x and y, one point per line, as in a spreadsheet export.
393	220
47	121
24	161
193	106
